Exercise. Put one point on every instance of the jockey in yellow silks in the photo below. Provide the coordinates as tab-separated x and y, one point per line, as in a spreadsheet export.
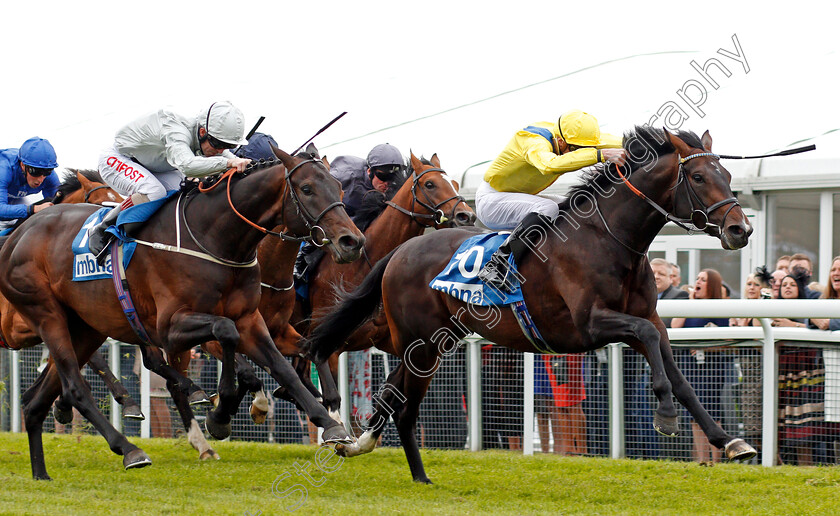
532	160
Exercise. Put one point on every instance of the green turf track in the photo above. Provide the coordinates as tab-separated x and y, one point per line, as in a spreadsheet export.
89	479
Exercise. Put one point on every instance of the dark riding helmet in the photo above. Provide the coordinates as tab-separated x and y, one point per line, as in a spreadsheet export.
259	147
384	161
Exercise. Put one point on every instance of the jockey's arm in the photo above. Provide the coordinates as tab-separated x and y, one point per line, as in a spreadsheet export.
10	211
180	155
543	158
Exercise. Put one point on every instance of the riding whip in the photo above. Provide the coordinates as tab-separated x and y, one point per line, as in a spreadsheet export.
254	129
321	130
787	152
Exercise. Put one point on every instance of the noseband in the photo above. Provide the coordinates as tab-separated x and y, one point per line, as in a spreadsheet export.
437	215
699	218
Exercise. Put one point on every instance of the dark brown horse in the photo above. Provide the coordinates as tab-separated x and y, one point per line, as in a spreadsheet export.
586	279
77	186
211	293
427	198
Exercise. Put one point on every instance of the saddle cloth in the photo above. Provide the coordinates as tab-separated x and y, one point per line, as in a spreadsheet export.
460	277
85	267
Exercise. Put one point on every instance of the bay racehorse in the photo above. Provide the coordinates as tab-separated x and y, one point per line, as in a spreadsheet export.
585	277
429	199
77	186
206	287
426	198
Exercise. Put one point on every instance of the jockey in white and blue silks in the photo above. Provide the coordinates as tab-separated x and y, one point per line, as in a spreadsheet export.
154	153
532	160
25	172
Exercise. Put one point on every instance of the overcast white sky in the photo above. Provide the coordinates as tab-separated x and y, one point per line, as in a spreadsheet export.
438	76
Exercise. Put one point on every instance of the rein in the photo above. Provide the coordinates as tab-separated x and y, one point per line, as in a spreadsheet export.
437	215
310	221
87	195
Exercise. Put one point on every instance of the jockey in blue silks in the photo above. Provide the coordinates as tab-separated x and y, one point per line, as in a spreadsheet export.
24	172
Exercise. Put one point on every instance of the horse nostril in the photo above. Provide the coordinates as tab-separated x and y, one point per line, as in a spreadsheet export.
736	231
349	242
464	218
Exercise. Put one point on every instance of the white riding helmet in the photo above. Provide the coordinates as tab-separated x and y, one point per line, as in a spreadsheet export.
226	123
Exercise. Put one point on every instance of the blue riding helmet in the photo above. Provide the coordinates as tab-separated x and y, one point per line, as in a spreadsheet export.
37	152
259	147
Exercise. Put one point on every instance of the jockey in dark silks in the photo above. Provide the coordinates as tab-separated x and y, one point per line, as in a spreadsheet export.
358	178
24	172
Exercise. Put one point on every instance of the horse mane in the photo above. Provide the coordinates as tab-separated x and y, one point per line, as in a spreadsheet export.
375	202
644	144
70	183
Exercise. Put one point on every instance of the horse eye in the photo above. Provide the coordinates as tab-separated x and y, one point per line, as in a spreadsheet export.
306	189
697	178
430	185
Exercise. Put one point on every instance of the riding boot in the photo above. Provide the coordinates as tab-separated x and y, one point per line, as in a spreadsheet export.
496	272
302	264
98	239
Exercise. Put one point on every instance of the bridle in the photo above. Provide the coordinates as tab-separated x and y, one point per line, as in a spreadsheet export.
436	214
87	195
699	218
288	189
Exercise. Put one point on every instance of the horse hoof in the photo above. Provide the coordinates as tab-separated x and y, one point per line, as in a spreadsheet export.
257	416
133	412
336	435
199	397
423	480
65	417
738	449
214	400
219	431
136	459
41	477
667	426
280	393
209	454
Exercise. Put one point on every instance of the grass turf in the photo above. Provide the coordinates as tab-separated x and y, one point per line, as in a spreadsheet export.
89	479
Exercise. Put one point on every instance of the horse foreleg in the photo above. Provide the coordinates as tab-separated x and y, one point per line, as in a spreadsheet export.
328	375
178	386
607	326
247	382
735	449
181	363
131	409
191	328
414	388
258	346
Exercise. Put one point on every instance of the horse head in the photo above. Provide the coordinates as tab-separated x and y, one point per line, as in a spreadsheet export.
315	209
703	194
435	195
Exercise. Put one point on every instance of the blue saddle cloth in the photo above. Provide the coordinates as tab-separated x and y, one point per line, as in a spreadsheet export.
460	277
85	267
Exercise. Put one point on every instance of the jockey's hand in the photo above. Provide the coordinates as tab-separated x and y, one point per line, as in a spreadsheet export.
617	156
238	163
39	207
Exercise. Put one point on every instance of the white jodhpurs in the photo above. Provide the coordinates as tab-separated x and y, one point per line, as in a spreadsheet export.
505	210
129	177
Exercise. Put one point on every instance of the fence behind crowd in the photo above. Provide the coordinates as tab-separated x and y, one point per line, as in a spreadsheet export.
778	388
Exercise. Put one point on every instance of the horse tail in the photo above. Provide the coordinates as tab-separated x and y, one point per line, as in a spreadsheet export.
351	312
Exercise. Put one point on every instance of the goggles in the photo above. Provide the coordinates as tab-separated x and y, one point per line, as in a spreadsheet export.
385	173
38	172
218	144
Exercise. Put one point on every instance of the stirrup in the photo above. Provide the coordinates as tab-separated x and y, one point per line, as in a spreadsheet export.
496	272
102	255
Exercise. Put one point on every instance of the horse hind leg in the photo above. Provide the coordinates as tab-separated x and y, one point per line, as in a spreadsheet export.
36	405
130	408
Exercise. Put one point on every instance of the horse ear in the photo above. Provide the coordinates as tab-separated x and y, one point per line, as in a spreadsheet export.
326	162
311	149
682	148
706	139
285	158
85	182
416	164
435	160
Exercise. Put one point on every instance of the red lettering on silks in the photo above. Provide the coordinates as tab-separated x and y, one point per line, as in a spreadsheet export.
139	178
111	161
